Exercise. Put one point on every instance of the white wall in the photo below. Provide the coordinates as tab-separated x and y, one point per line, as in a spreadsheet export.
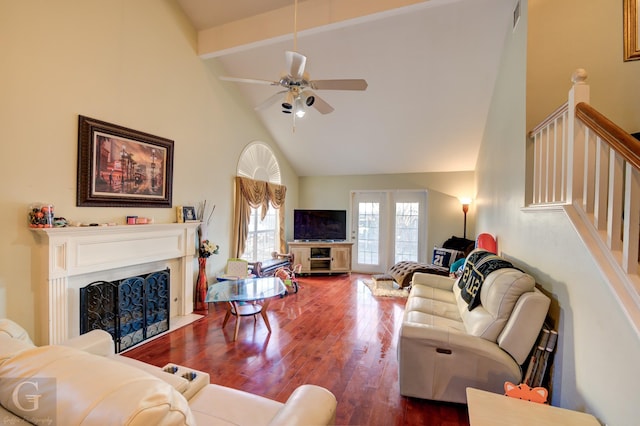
131	63
444	220
596	367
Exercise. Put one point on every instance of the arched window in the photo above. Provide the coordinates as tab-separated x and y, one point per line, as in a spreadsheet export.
259	204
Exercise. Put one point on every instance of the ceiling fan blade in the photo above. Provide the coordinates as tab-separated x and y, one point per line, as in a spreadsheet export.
321	105
270	100
347	84
249	80
295	64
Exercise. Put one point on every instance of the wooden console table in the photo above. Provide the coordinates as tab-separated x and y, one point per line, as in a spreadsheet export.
492	409
321	256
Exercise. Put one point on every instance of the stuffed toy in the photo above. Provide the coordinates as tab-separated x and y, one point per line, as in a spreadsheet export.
523	391
457	267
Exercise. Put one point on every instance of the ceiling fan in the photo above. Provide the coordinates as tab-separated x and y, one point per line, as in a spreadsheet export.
300	90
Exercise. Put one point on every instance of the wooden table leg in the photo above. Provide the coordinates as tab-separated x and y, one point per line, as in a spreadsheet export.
228	314
234	309
263	312
235	333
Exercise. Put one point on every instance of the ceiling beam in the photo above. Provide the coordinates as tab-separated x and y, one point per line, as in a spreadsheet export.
277	25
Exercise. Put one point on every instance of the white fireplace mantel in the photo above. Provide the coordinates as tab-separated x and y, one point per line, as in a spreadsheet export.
64	254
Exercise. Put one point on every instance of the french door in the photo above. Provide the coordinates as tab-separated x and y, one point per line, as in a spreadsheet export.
387	227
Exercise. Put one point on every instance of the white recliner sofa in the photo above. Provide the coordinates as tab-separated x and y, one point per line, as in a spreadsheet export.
84	383
443	347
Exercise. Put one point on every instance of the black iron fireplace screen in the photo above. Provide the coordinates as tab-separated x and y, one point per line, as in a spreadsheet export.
131	310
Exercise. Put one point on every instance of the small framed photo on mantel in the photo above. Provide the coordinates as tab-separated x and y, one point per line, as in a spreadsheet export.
186	214
189	214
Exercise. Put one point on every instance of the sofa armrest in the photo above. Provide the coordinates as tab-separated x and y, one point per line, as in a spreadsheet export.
97	342
177	381
432	280
14	330
523	327
307	405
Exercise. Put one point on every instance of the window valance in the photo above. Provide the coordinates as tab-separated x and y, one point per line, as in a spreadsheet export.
252	193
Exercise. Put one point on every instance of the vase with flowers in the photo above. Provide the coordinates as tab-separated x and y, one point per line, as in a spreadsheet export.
206	249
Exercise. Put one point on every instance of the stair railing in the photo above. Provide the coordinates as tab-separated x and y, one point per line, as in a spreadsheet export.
587	164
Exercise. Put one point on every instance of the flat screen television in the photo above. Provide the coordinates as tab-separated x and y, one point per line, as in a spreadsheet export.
319	225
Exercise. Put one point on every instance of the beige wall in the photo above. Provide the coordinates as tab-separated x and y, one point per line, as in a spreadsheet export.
333	191
131	63
569	34
596	365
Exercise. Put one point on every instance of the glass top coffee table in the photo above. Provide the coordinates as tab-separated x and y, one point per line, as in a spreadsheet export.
242	297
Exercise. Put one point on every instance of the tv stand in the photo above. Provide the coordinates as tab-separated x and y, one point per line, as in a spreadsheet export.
322	257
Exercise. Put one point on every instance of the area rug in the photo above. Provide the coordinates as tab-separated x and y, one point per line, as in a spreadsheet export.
384	288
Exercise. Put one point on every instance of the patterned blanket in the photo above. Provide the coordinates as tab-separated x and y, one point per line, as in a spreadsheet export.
478	266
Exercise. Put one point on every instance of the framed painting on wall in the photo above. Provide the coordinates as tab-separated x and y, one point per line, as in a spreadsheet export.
121	167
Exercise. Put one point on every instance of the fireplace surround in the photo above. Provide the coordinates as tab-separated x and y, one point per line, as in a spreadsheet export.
66	259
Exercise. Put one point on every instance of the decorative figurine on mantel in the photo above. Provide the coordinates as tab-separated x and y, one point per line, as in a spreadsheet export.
205	249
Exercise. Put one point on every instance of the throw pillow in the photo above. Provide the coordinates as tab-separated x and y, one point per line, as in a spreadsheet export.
478	266
445	257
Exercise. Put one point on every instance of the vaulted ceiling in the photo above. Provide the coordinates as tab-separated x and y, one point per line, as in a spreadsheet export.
430	66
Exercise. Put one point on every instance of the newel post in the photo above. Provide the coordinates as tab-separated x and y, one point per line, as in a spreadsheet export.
577	135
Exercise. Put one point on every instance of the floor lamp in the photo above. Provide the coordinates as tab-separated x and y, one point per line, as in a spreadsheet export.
465	208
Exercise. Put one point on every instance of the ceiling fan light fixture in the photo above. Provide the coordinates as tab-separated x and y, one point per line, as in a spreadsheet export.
300	112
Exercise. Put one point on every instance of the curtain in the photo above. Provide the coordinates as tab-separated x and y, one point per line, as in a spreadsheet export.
256	194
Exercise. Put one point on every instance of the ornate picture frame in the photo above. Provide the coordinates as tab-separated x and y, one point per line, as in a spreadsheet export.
631	31
121	167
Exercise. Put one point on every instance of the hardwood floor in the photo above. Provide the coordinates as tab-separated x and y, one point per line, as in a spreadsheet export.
332	333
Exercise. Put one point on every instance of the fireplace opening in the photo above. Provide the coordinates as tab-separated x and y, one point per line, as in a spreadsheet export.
131	309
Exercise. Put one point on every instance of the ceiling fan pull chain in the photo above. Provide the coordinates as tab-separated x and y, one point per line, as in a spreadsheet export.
295	25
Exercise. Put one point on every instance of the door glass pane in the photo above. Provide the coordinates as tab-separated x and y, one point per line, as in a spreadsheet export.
368	233
407	221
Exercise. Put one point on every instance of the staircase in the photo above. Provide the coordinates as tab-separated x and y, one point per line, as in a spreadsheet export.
586	165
